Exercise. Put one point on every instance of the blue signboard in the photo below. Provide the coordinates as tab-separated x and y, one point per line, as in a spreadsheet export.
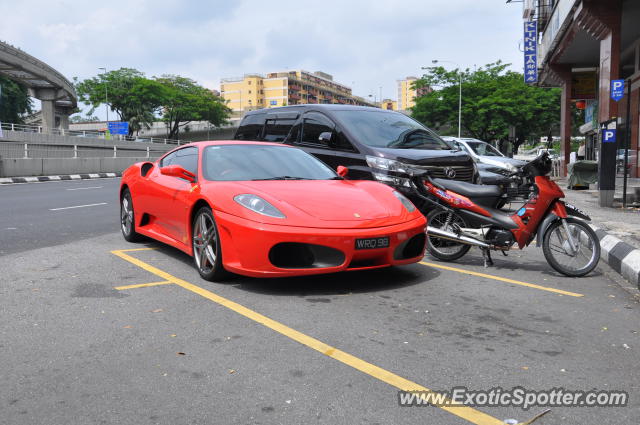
531	52
118	127
608	136
617	89
273	102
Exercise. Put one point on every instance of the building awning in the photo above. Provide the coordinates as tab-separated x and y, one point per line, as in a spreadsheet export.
586	128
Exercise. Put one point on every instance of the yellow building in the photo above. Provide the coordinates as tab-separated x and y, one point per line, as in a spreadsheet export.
406	93
389	104
255	91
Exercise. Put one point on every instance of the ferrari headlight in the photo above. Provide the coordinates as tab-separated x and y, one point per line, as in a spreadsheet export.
406	202
258	205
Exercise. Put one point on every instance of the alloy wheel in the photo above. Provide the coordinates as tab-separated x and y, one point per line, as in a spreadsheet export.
205	242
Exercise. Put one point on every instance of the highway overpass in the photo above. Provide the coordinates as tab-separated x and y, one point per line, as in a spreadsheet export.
57	94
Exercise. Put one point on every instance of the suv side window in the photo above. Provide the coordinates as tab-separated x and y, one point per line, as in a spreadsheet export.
313	124
342	143
277	130
187	158
292	137
250	127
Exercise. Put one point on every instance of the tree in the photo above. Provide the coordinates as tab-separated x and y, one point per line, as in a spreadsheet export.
493	100
185	101
80	119
15	102
127	92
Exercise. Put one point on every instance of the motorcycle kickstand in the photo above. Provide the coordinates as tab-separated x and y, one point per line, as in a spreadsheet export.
486	255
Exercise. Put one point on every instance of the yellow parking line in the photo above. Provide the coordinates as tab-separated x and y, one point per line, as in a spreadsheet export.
472	415
142	285
503	279
136	249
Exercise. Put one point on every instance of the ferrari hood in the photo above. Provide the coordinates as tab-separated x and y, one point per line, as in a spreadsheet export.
333	200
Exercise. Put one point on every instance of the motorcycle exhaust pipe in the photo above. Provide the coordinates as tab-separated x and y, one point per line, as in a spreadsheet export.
443	234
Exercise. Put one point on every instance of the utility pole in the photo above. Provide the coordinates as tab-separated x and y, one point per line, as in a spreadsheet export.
106	96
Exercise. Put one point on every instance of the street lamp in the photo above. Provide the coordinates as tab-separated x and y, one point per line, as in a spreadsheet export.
459	95
106	96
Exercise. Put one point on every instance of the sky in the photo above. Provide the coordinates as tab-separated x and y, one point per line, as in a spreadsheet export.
363	44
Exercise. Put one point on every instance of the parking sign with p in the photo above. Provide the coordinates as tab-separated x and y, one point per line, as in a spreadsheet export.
608	136
617	89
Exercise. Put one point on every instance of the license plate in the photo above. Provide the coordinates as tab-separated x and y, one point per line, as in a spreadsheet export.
372	243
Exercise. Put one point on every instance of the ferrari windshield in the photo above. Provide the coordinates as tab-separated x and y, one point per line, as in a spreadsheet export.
262	162
385	129
485	149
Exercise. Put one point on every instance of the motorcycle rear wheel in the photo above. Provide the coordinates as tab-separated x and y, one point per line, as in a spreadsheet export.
444	249
561	256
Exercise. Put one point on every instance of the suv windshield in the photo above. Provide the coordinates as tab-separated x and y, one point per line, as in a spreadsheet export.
482	148
390	130
262	162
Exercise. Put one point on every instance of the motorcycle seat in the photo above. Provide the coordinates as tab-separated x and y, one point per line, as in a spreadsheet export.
486	195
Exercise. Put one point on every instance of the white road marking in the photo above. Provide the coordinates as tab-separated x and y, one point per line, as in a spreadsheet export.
84	188
77	206
9	182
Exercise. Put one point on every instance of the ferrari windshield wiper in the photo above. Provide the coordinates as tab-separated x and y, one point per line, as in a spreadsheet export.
283	178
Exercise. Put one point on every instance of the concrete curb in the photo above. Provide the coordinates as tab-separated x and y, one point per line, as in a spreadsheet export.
620	256
11	180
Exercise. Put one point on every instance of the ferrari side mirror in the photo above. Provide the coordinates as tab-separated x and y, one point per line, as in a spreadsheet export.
342	171
178	171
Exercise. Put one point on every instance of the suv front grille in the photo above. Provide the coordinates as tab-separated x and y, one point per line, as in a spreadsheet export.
463	173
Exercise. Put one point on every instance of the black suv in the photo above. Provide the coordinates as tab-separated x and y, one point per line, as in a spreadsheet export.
375	144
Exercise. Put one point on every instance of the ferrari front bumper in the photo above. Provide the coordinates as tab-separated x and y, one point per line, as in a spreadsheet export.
246	246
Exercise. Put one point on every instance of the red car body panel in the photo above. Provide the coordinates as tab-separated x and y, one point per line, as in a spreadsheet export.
331	213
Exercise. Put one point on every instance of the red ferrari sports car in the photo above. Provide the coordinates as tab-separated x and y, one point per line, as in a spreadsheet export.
265	209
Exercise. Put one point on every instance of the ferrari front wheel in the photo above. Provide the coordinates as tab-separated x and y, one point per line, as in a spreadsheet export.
207	254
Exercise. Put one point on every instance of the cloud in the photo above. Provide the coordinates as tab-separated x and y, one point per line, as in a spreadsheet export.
371	43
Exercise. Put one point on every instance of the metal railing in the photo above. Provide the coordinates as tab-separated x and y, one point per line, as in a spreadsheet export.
88	134
19	150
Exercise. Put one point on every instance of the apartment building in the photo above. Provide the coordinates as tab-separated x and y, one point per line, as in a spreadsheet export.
406	93
256	91
389	104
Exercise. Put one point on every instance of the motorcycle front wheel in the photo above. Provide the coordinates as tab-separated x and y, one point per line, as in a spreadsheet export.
571	260
444	249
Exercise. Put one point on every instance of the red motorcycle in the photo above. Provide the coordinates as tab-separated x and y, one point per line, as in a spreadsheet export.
462	216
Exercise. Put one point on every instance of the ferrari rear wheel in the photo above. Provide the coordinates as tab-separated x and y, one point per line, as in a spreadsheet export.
127	218
207	253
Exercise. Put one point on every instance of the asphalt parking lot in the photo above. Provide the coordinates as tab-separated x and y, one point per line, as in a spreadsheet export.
101	331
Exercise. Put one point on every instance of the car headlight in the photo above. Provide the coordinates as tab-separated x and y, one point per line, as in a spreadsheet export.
258	205
384	164
405	201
